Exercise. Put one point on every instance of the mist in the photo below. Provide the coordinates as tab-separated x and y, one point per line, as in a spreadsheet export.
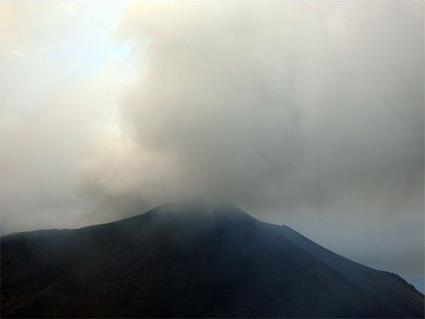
304	113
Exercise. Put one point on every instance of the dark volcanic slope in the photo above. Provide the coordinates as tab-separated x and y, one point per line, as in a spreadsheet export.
185	262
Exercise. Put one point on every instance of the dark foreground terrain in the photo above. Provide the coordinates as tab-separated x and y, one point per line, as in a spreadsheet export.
186	261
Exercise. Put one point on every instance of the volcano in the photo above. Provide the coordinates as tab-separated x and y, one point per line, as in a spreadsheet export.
191	261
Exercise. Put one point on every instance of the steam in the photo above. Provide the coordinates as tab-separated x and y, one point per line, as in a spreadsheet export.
302	112
268	105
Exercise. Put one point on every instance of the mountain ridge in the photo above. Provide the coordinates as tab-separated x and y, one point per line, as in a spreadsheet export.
174	261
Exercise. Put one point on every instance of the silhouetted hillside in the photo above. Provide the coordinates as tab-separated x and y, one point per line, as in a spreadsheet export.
191	261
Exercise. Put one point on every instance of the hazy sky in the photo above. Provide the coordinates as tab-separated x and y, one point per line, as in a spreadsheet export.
306	113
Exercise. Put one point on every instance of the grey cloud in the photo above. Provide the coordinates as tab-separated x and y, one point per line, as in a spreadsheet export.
290	110
274	100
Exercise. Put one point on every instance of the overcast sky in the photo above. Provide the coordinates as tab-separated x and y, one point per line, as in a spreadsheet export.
305	113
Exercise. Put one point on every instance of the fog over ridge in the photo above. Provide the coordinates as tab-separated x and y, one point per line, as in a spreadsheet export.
303	113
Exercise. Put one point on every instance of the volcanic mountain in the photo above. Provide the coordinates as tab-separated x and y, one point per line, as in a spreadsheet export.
191	261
